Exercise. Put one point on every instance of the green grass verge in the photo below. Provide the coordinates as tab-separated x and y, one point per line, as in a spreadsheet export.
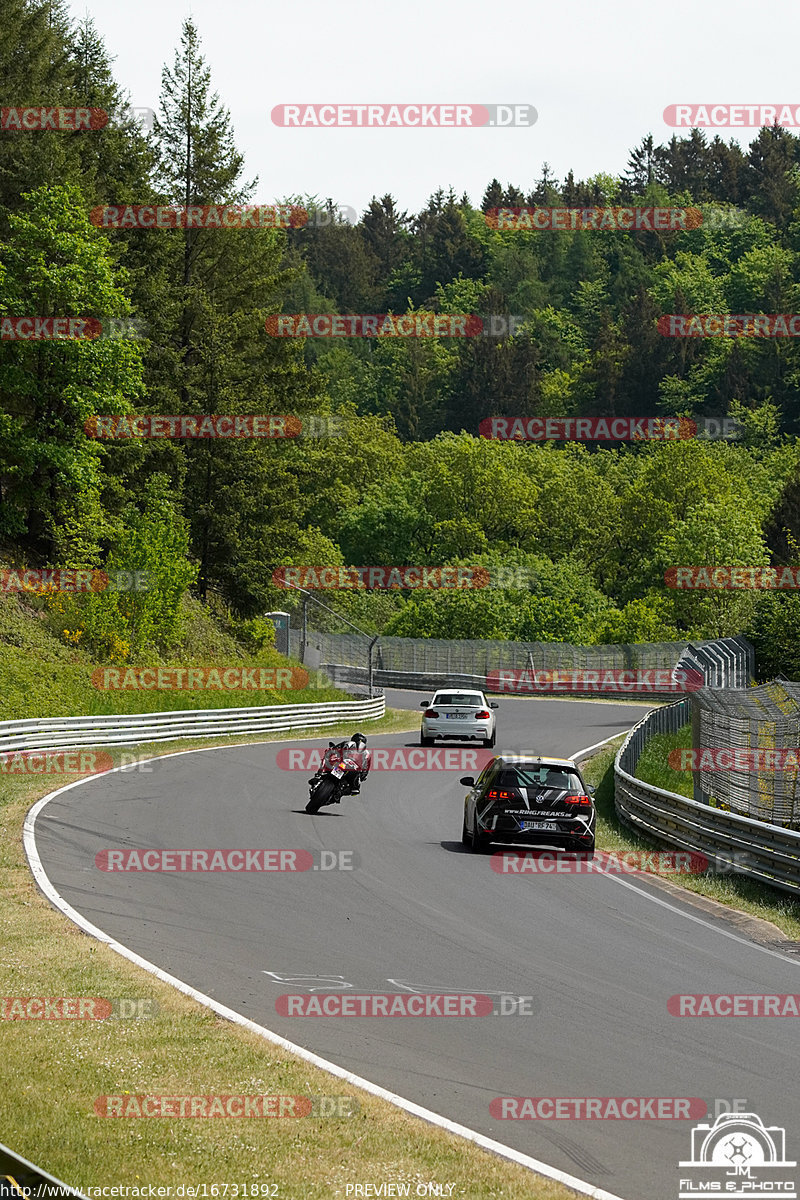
54	1070
746	895
653	765
44	677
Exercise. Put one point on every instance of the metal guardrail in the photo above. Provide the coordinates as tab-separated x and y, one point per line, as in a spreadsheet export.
340	674
20	1178
59	733
742	845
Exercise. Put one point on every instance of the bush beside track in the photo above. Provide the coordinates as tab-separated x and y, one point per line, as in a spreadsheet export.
43	677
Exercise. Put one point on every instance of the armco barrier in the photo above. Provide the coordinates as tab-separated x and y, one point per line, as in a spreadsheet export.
746	847
60	733
20	1179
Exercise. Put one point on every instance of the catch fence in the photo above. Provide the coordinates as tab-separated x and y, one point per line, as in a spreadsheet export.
760	718
424	663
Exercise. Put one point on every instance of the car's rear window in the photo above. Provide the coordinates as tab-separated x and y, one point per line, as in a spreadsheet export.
540	777
464	699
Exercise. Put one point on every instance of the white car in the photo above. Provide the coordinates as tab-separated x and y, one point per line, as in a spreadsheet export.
458	713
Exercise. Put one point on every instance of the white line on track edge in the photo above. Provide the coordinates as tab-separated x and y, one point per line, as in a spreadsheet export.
648	895
426	1114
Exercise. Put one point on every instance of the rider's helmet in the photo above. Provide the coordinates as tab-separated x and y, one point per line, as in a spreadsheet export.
358	740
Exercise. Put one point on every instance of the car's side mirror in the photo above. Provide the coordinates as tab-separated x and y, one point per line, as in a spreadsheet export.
494	705
424	704
467	781
591	790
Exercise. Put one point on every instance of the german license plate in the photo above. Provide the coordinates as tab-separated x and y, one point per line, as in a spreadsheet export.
544	826
457	716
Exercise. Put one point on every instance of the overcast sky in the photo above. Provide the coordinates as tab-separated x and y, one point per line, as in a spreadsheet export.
599	73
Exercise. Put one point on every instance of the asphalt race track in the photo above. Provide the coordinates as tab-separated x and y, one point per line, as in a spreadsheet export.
599	955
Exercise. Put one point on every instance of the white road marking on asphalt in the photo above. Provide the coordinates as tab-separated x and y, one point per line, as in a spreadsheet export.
470	1135
680	911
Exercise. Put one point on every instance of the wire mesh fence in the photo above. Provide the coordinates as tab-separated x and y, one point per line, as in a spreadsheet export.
725	662
731	841
765	718
727	713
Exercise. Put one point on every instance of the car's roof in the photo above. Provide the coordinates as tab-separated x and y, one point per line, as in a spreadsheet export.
521	760
462	691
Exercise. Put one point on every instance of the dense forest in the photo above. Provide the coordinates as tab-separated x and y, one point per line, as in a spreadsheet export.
577	538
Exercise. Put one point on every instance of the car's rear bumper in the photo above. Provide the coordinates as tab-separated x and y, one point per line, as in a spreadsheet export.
457	729
569	831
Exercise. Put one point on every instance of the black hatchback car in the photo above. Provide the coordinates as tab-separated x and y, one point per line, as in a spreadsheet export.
518	799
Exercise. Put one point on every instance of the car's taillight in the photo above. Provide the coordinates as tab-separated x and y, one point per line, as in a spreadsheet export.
431	712
483	715
582	801
498	794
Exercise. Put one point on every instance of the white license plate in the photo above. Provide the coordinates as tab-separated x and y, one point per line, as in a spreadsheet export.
337	772
456	716
546	826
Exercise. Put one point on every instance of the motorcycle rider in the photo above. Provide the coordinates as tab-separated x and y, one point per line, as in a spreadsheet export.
354	747
358	746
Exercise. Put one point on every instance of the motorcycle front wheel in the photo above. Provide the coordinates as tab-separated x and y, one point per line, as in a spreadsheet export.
323	794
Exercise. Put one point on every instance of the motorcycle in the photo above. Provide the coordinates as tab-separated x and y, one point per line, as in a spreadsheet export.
340	774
